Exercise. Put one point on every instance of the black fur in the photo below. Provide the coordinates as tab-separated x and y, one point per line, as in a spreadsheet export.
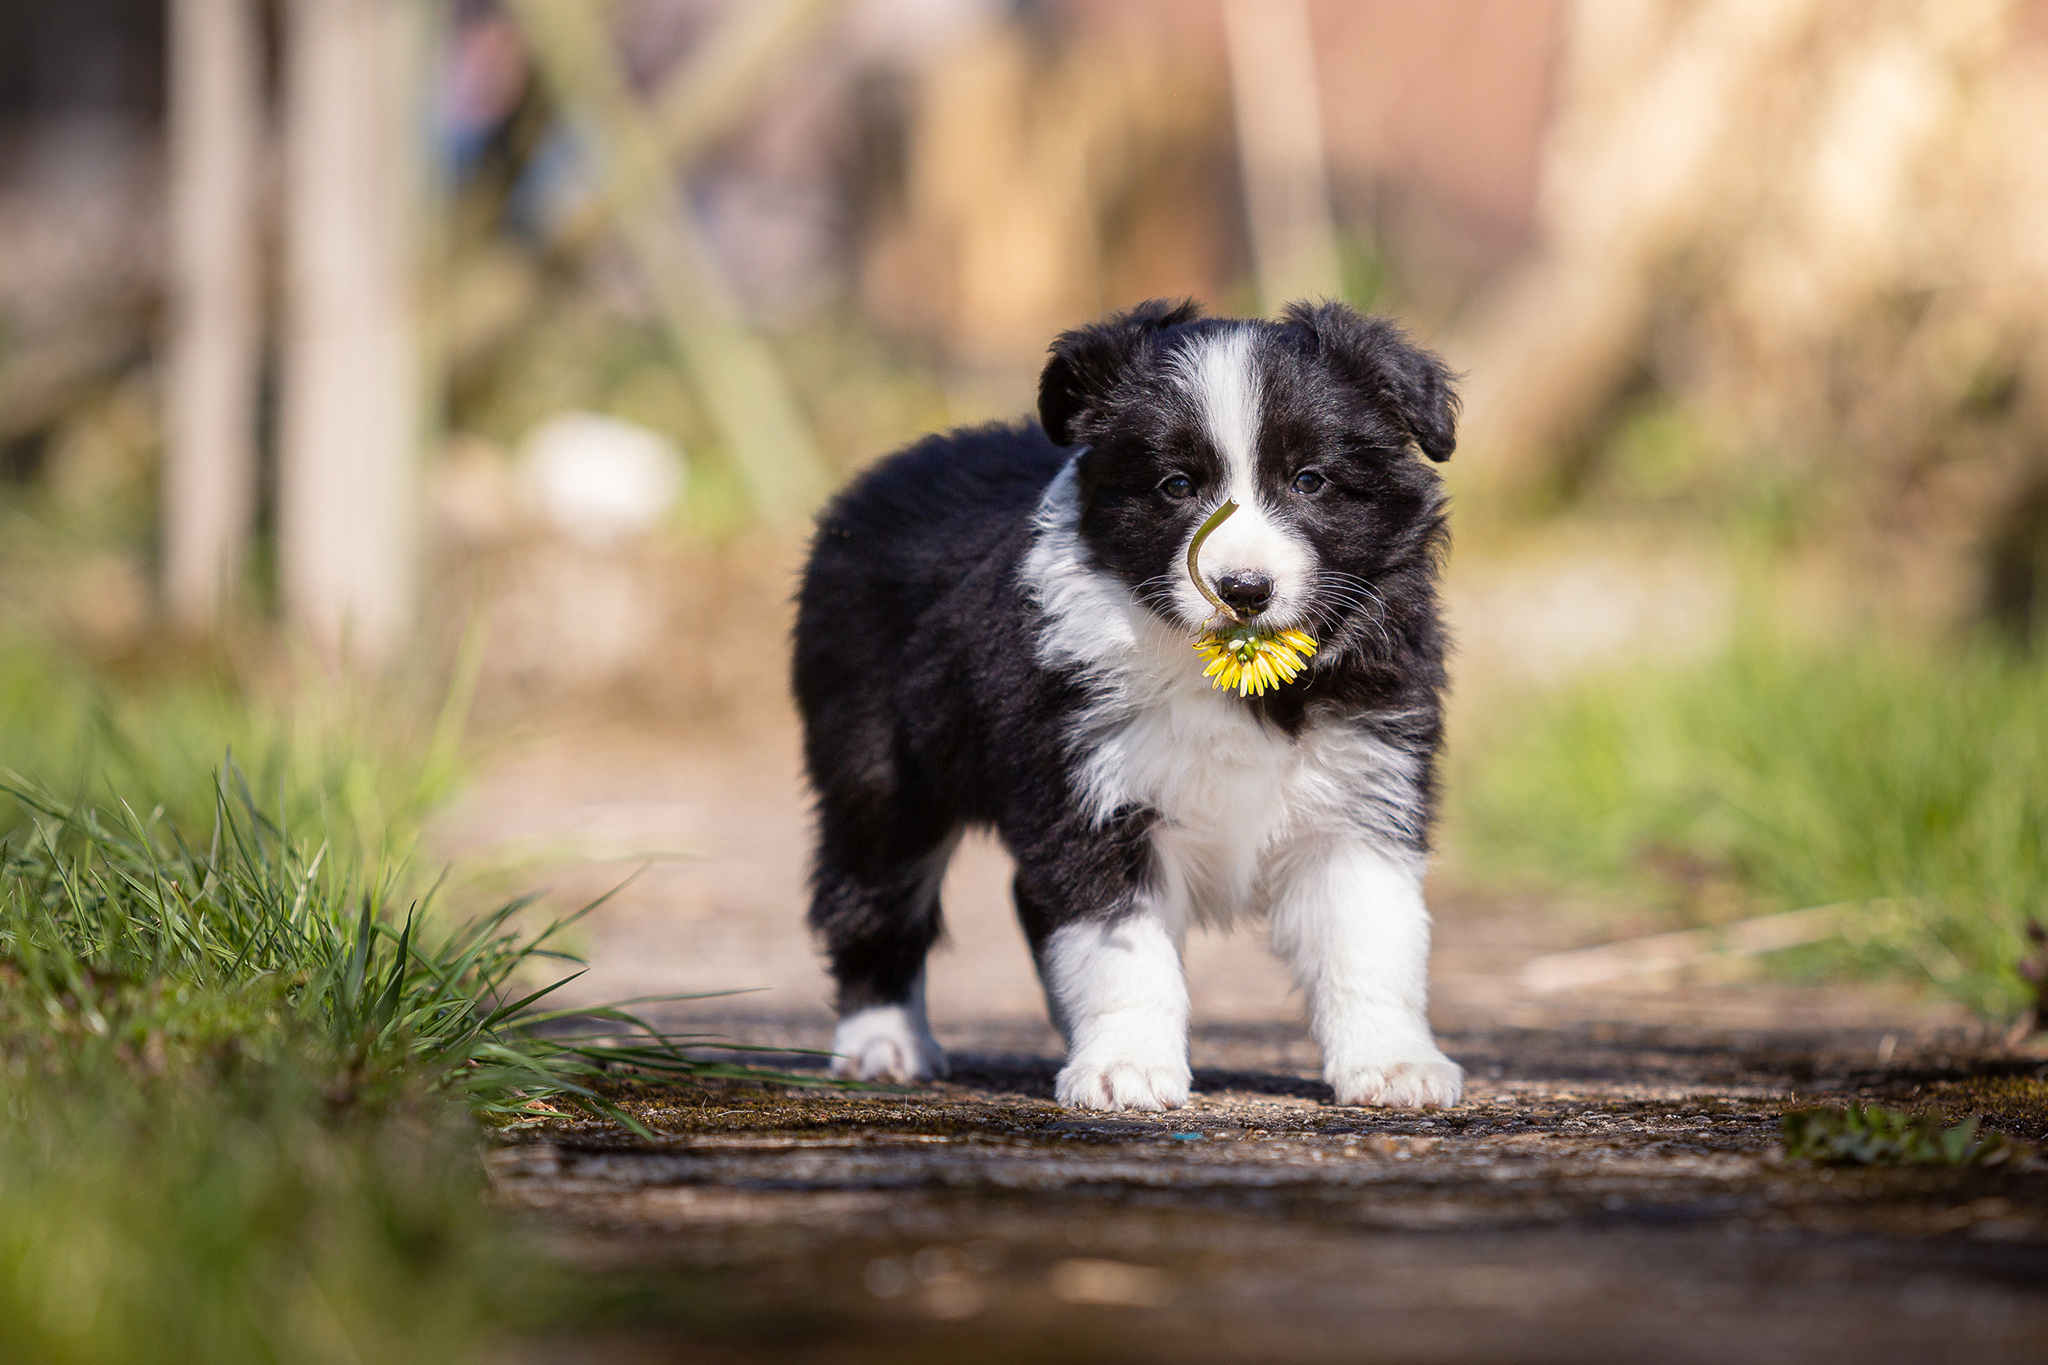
926	708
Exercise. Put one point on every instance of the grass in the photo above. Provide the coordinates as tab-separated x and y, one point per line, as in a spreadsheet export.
357	762
244	1060
234	1220
128	933
1907	783
1871	1135
240	1086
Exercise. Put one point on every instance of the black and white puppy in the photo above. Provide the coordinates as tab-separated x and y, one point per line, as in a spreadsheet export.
995	629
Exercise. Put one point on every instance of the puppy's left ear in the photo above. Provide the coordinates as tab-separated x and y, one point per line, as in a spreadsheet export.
1374	354
1087	362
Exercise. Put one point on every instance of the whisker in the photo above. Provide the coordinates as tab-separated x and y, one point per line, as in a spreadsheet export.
1340	598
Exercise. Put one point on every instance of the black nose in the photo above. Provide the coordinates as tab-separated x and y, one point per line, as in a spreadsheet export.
1245	593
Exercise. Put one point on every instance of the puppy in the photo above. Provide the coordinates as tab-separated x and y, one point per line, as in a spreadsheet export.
996	629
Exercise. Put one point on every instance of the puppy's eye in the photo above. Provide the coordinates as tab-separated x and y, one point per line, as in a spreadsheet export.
1308	481
1178	487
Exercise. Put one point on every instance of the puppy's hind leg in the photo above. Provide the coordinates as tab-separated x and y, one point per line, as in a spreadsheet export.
875	906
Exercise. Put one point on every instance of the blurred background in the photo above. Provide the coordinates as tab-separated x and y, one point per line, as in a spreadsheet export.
337	333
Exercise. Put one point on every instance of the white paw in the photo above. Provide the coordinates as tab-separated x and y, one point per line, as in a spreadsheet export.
1123	1084
886	1043
1427	1083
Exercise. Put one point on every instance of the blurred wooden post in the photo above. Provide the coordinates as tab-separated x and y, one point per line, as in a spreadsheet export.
209	484
735	374
1280	149
355	131
715	85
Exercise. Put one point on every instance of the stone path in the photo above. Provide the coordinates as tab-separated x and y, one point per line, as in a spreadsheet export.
1610	1189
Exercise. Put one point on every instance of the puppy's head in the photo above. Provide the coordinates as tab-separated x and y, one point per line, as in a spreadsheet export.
1311	425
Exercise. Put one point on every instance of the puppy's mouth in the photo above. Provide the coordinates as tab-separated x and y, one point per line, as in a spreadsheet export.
1272	609
1264	624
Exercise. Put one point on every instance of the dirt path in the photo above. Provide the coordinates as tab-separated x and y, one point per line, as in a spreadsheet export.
1610	1189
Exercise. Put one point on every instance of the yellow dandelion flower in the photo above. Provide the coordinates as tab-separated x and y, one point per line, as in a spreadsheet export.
1252	662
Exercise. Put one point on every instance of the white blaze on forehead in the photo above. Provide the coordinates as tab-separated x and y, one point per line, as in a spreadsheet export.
1218	373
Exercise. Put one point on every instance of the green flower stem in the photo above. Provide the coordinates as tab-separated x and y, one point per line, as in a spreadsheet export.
1216	519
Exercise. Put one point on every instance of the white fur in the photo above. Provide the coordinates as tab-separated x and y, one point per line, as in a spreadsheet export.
888	1042
1352	923
1121	998
1316	829
1218	375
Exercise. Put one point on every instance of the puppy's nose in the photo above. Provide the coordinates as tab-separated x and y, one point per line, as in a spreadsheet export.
1246	593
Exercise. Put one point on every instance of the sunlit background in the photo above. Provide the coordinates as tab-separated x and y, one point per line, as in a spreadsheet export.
337	333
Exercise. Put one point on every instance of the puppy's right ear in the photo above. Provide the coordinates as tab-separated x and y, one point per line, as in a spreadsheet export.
1087	362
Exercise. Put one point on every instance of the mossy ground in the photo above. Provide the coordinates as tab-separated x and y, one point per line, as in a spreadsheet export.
2013	1104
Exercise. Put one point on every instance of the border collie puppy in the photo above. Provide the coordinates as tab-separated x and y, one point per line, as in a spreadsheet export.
996	629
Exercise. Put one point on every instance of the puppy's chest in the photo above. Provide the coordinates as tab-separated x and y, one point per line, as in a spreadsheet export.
1200	762
1227	790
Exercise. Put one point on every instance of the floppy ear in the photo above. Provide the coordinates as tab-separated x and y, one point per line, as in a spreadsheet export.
1087	362
1377	356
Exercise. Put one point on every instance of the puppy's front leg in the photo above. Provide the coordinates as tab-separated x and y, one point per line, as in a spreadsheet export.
1351	921
1117	990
